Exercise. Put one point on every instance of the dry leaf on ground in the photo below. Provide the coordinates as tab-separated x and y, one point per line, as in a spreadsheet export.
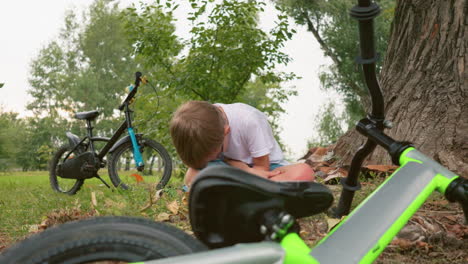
173	207
93	199
163	217
332	222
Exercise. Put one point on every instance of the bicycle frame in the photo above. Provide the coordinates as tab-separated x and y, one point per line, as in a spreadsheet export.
111	145
114	141
411	184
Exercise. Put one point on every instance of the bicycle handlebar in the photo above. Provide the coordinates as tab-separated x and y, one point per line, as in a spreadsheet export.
133	91
137	78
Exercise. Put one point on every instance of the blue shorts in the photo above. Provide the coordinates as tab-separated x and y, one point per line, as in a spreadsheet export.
220	162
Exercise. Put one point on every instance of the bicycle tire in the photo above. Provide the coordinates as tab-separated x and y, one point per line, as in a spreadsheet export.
55	180
102	239
116	157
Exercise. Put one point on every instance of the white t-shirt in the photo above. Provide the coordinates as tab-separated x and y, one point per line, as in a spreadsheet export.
251	135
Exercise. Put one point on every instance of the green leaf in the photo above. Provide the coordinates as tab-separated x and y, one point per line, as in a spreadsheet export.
1	85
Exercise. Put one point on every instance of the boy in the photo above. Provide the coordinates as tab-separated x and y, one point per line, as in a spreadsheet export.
237	134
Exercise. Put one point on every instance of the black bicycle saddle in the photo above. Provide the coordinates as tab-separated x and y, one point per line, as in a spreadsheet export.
227	204
90	115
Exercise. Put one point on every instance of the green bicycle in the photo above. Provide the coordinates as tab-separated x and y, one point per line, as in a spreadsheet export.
243	218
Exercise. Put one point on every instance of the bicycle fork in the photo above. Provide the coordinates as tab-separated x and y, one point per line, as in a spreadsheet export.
136	150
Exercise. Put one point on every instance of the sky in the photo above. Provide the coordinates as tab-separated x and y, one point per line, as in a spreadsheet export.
26	26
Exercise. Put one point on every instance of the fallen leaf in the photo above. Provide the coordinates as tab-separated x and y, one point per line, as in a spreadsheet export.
93	198
402	243
173	207
137	177
34	228
422	244
382	168
185	199
451	218
333	176
332	222
320	155
163	217
112	203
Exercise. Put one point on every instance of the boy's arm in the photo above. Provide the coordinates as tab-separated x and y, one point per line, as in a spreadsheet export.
260	168
261	163
190	176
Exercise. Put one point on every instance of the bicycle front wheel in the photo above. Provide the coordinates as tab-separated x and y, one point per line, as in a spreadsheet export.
103	239
157	165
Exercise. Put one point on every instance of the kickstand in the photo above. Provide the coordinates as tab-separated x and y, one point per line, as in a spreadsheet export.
105	183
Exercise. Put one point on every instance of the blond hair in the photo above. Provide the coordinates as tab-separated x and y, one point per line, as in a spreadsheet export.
197	130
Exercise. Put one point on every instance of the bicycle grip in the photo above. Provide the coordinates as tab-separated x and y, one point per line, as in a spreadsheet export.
457	191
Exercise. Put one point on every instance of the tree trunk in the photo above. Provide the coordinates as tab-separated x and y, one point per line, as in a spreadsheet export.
127	163
150	171
425	83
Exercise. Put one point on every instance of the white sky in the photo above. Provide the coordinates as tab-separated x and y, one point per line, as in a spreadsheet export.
28	25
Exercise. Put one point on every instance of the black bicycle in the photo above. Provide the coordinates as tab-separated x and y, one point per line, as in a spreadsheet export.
132	159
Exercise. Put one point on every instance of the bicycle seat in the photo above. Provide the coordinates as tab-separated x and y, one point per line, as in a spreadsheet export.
90	115
227	204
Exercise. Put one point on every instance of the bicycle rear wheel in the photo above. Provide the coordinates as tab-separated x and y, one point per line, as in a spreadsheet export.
103	239
157	171
59	184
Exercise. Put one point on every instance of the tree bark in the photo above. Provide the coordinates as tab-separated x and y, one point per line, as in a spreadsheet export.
425	83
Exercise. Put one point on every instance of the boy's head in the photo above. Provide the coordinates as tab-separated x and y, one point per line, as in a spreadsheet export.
197	130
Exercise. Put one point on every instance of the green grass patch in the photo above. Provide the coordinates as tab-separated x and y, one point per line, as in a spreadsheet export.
26	199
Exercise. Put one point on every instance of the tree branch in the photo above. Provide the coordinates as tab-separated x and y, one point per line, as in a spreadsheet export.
335	59
322	43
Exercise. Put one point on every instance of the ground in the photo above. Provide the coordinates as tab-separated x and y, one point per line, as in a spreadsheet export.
434	235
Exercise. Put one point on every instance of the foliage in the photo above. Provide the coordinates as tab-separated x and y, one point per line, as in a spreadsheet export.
85	67
338	37
11	135
224	53
329	126
226	59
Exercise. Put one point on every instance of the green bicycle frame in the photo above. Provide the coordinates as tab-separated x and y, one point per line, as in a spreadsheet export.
365	233
360	237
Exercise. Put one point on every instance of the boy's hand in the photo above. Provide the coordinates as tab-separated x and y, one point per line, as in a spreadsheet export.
266	174
257	170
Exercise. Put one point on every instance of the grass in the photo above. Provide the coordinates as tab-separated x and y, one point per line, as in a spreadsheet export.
26	199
